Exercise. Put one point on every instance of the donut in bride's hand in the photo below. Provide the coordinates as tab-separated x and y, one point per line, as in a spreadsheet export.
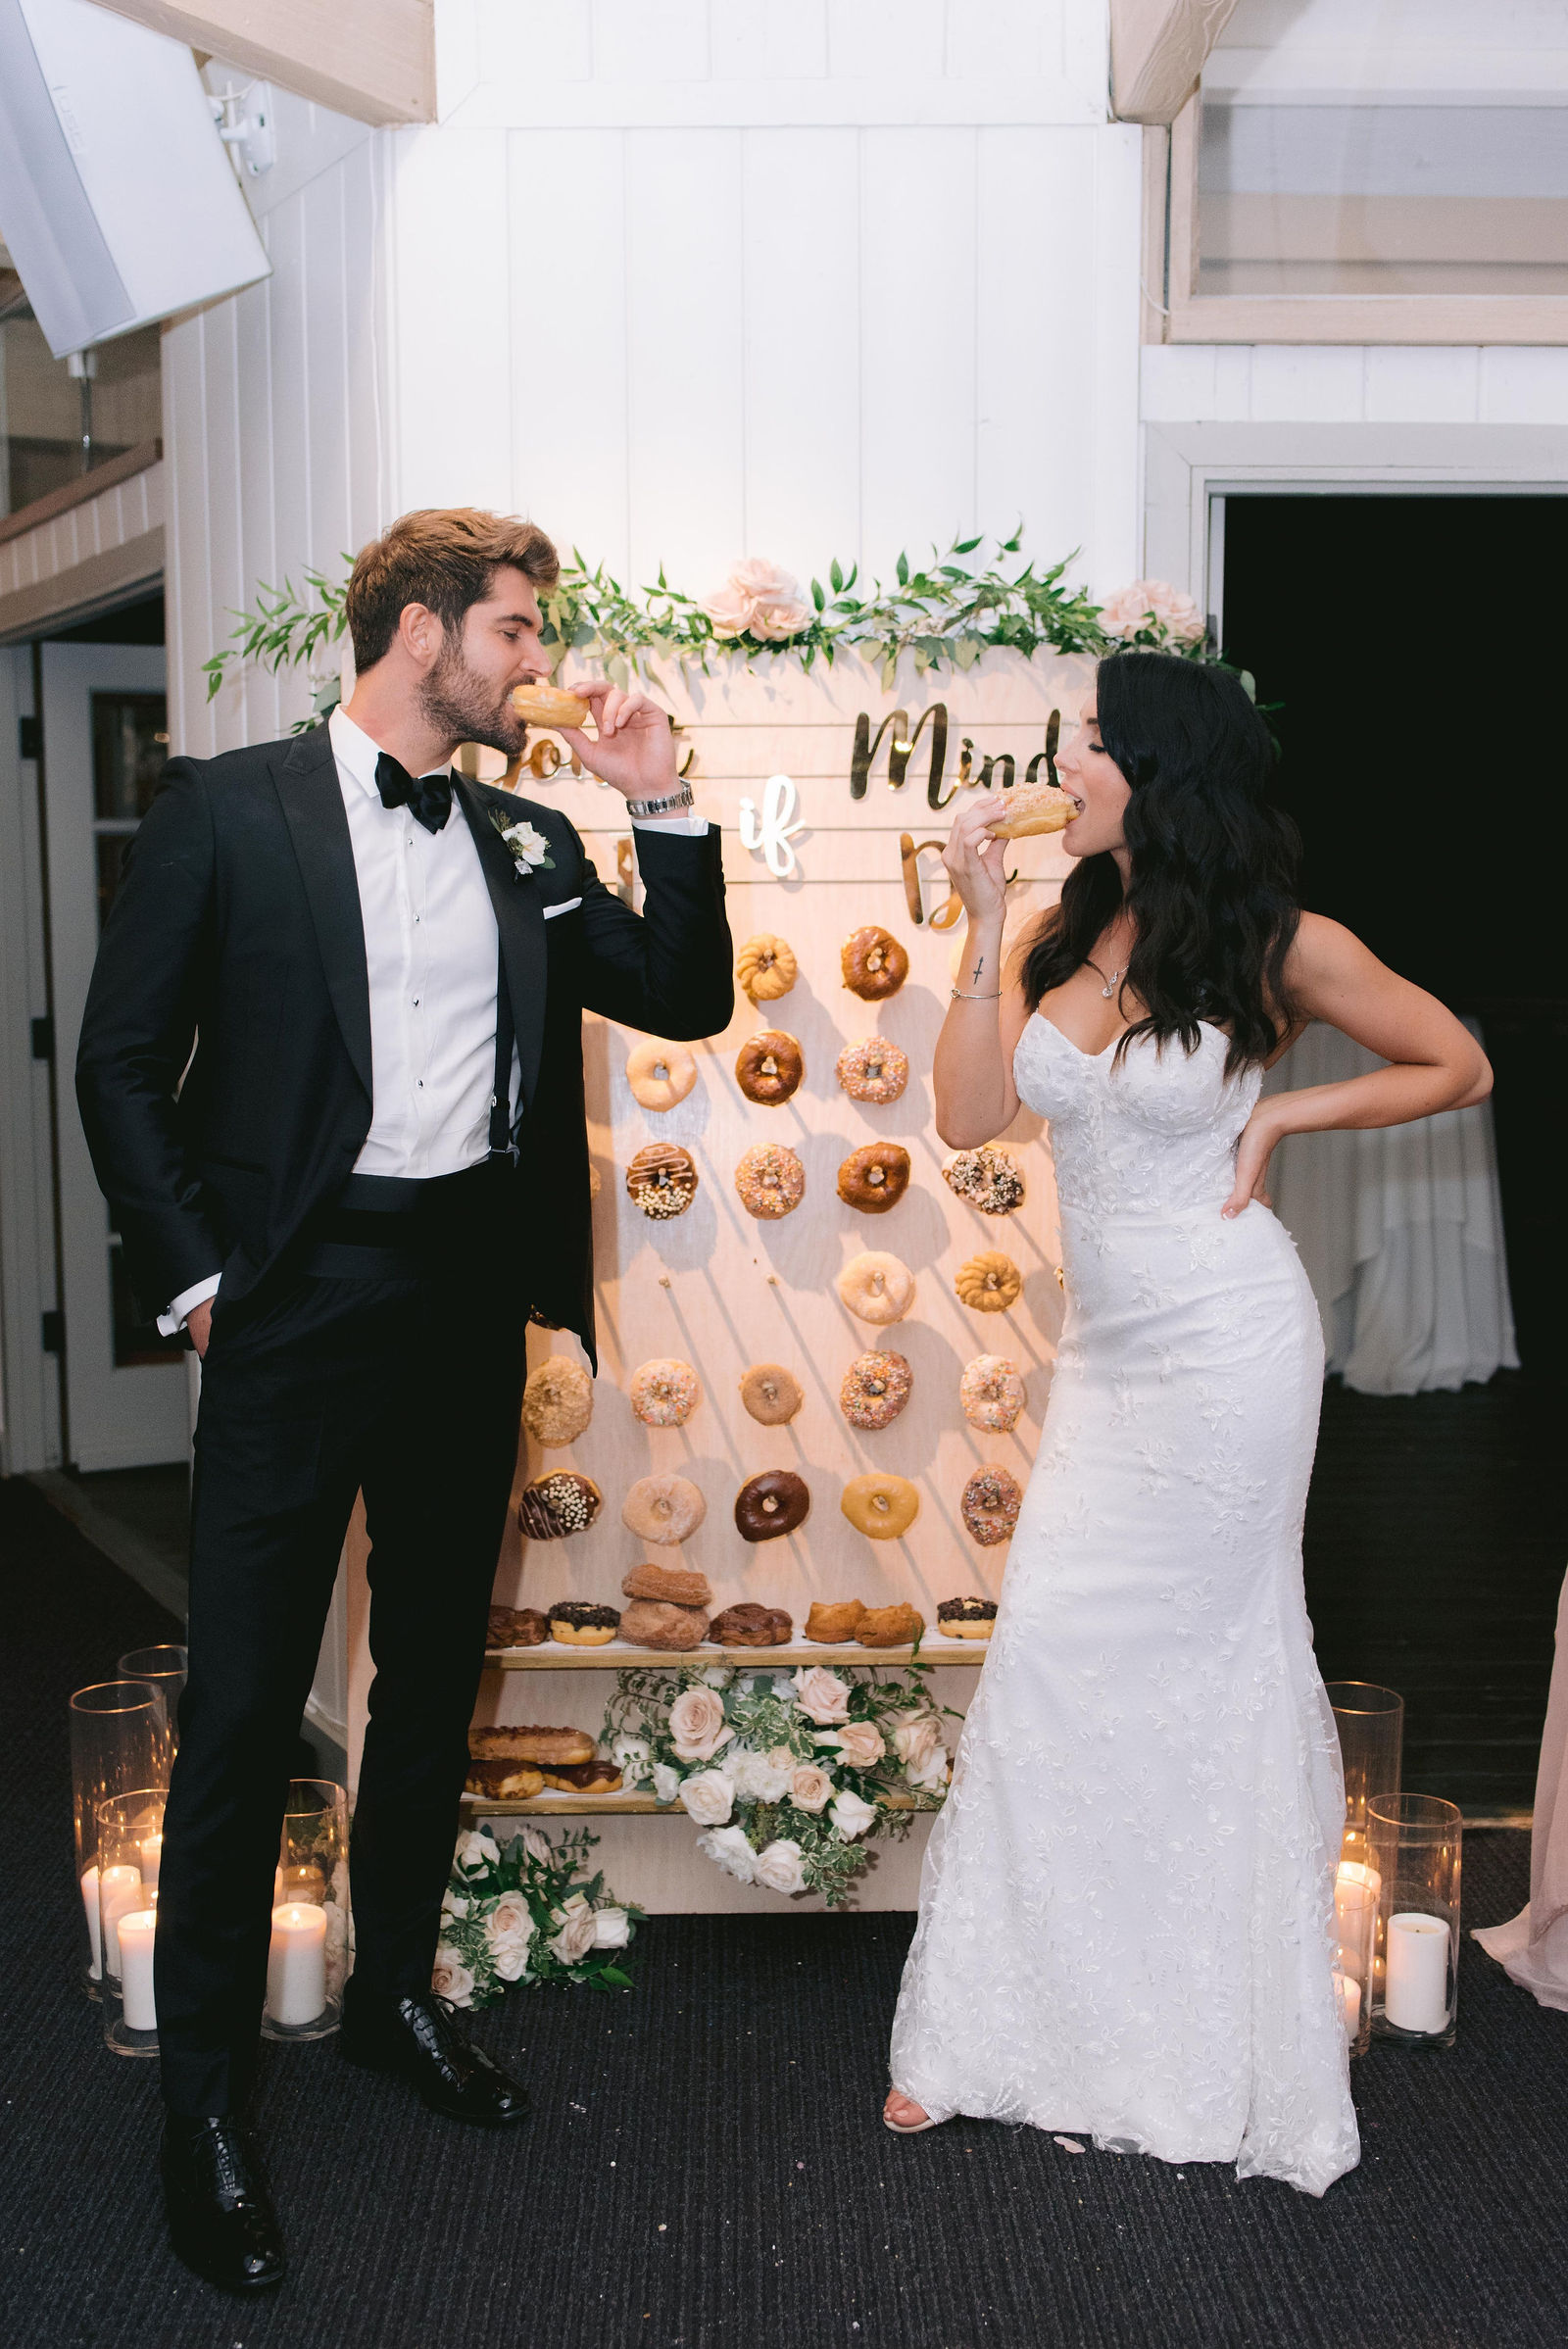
1031	807
549	706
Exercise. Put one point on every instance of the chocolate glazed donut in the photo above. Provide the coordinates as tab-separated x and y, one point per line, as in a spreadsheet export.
772	1503
769	1066
875	1177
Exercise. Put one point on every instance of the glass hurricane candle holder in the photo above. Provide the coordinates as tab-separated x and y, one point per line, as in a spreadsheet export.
119	1742
1416	1844
1356	1936
311	1951
165	1669
130	1842
1371	1724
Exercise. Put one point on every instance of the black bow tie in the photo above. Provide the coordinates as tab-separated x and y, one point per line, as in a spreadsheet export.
427	798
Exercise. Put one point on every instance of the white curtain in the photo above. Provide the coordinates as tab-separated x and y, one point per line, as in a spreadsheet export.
1400	1234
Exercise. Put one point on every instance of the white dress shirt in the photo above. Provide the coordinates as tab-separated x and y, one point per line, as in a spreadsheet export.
431	954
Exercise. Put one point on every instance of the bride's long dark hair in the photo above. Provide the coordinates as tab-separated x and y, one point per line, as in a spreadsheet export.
1212	891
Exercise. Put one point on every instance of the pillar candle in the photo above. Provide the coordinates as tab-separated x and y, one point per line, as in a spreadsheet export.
119	1889
137	1929
296	1965
89	1901
152	1855
1416	1984
1350	1995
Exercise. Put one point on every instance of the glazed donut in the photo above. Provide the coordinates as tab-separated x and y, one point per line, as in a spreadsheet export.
897	1626
771	1180
991	1393
765	967
987	1178
989	1283
660	1074
769	1067
504	1781
875	1390
882	1506
550	706
990	1505
681	1585
563	1502
1031	807
873	1070
875	1177
876	1286
663	1623
874	963
833	1621
772	1394
558	1401
598	1776
664	1393
663	1180
771	1504
578	1623
662	1509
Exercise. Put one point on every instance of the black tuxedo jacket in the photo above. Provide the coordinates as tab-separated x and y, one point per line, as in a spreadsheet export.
235	937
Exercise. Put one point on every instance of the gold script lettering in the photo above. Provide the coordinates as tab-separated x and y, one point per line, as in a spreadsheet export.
910	852
900	751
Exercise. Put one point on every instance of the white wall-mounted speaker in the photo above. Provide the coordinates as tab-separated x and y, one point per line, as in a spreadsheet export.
117	199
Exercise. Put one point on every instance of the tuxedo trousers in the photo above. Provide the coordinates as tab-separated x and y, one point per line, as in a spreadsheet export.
404	1382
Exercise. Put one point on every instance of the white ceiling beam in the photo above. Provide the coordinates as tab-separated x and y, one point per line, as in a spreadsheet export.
373	59
1157	49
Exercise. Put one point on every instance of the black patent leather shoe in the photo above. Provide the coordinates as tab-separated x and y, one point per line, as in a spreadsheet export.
417	2039
221	2215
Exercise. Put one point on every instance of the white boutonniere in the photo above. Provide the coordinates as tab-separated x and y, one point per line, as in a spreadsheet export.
530	851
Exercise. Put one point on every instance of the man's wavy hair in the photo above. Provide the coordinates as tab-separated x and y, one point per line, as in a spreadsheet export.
445	558
1213	886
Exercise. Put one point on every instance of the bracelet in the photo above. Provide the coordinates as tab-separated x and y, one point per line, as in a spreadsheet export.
668	807
959	997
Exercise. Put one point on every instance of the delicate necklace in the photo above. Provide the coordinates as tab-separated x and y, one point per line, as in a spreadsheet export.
1109	988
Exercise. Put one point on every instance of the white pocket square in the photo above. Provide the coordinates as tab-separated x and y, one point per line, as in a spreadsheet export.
565	906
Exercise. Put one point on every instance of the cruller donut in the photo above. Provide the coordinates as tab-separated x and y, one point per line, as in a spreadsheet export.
875	1177
874	963
765	967
989	1283
772	1503
769	1066
662	1509
659	1075
880	1505
873	1070
876	1286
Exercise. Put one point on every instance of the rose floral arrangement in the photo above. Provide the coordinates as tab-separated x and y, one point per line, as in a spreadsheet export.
787	1773
528	1911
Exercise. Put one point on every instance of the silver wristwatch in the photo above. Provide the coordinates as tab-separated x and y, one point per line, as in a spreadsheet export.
678	798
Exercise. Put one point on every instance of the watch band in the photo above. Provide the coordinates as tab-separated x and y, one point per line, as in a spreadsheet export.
666	806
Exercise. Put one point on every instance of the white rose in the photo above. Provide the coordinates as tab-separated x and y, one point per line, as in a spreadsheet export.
859	1742
611	1928
780	1866
916	1739
718	1676
821	1695
527	846
667	1783
850	1816
761	597
537	1845
633	1757
697	1725
453	1905
575	1938
476	1849
1153	606
709	1797
508	1929
811	1787
728	1848
450	1978
760	1777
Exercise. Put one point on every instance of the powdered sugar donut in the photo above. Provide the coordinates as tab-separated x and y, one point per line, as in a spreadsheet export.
991	1393
662	1509
665	1393
660	1074
873	1070
876	1286
875	1389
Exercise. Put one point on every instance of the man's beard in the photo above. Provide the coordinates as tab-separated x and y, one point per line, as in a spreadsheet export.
456	703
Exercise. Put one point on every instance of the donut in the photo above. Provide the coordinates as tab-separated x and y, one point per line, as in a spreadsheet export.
660	1074
1031	807
772	1394
967	1618
664	1393
558	1401
662	1509
749	1625
875	1177
550	706
990	1505
874	963
563	1502
771	1180
681	1585
873	1070
989	1283
876	1286
879	1505
517	1627
663	1623
875	1390
832	1622
504	1781
898	1626
662	1180
987	1178
598	1776
772	1503
769	1067
578	1623
991	1393
765	967
530	1742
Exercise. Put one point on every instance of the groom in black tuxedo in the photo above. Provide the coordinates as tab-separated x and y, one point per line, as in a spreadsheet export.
332	1078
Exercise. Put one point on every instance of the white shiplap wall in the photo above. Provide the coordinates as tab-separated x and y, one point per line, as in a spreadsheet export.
1201	384
685	280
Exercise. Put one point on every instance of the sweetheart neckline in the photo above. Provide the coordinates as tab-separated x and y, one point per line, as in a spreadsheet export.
1115	1039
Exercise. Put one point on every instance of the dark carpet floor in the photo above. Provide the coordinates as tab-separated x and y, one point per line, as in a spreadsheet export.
706	2169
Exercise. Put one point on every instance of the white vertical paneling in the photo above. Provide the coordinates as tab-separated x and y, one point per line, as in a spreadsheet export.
650	40
364	426
1301	383
229	572
1523	386
568	357
1411	387
685	432
326	369
452	348
1111	548
256	489
189	605
1009	38
292	483
918	359
800	193
535	41
886	40
768	40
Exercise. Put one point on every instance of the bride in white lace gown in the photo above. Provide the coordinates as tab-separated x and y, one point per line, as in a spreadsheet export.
1127	1904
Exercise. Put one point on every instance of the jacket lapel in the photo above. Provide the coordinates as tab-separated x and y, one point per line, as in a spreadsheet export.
520	922
312	804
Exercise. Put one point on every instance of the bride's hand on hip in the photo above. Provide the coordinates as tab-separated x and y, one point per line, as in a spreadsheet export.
974	857
1260	1138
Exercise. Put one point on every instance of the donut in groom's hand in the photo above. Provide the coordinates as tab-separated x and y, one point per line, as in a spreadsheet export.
549	706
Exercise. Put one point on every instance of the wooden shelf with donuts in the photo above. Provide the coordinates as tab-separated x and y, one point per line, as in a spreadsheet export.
619	1657
552	1805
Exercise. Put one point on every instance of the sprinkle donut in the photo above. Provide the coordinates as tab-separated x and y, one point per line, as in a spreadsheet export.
769	1066
662	1509
874	963
990	1505
771	1180
875	1177
660	1074
875	1390
991	1393
876	1286
873	1070
665	1394
771	1504
987	1178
